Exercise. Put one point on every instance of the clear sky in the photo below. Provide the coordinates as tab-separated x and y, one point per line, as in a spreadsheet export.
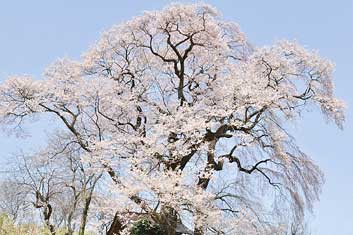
35	33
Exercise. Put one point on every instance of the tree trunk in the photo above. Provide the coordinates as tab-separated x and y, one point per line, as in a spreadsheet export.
198	231
85	214
70	230
116	227
47	214
169	220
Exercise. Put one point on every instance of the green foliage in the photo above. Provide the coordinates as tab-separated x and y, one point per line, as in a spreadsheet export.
146	227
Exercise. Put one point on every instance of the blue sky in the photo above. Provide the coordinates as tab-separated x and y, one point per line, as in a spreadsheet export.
35	33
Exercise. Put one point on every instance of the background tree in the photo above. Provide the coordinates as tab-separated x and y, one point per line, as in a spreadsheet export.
189	121
56	182
12	200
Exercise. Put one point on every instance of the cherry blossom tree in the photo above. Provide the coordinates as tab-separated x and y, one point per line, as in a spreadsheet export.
189	120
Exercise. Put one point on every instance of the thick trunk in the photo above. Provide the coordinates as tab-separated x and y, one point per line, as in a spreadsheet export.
169	220
116	227
198	231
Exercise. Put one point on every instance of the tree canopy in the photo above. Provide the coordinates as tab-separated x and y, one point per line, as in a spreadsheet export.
188	122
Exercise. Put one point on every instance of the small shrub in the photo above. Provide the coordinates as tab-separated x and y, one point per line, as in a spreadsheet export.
146	227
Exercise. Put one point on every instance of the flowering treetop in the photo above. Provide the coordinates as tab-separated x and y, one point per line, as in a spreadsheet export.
189	121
